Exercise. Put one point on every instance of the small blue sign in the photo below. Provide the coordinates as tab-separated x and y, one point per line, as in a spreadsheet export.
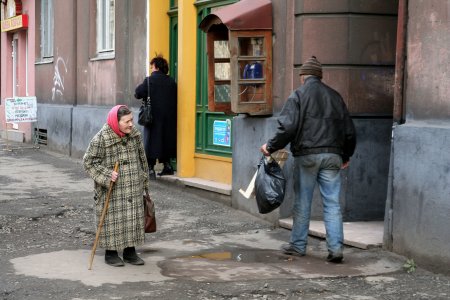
222	133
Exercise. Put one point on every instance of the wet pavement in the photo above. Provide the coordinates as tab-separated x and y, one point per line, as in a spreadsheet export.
202	249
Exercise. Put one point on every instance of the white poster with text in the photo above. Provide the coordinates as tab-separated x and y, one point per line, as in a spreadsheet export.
21	109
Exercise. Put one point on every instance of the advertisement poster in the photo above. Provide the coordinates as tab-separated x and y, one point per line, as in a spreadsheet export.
222	133
21	109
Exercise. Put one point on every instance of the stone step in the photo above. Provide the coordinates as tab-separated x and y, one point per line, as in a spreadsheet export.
200	183
363	235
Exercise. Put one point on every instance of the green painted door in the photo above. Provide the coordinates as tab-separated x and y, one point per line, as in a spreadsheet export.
173	46
173	49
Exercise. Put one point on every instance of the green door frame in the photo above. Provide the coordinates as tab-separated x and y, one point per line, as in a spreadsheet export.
173	40
173	49
209	125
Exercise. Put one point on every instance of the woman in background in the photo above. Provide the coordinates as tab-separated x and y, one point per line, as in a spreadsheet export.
160	138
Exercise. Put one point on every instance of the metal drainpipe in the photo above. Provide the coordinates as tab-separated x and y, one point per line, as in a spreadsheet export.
400	61
398	116
75	101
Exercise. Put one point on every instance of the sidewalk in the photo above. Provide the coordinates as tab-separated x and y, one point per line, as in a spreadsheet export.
363	235
201	250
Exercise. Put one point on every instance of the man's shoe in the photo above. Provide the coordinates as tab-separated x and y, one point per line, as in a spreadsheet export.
113	259
290	250
130	256
335	258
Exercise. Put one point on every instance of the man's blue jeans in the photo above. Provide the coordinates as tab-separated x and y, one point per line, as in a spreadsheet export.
324	169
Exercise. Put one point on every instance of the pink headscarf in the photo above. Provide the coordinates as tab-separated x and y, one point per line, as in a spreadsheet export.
112	120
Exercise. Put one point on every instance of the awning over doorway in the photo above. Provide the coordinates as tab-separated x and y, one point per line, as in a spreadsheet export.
243	15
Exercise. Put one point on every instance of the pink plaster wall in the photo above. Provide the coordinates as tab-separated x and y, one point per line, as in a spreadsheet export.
23	59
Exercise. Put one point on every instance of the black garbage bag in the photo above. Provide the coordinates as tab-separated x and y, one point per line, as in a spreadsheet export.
270	185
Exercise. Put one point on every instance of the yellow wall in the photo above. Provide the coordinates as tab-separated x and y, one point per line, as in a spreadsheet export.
213	168
187	65
189	164
159	28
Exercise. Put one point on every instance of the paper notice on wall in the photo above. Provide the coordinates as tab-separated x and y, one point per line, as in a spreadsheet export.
21	109
222	133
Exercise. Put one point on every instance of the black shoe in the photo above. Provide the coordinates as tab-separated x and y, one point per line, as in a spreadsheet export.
152	175
113	259
167	170
290	250
130	256
335	258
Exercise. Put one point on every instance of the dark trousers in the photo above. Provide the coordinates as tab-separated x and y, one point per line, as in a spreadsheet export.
152	162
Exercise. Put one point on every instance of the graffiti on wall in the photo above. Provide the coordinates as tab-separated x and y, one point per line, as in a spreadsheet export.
58	78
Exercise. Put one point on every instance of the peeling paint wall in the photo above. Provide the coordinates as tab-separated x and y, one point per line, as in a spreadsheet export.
355	42
428	68
56	76
59	75
79	81
421	172
101	82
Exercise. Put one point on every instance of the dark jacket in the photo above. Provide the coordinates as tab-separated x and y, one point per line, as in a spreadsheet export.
315	120
161	137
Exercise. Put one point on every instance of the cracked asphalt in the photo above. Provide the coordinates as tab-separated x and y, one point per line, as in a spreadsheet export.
202	249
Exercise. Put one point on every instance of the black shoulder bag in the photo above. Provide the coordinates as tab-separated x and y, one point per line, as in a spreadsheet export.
145	111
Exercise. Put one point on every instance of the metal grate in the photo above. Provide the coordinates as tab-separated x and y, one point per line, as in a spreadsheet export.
41	136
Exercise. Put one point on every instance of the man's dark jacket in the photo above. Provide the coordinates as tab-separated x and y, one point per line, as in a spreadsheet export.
315	120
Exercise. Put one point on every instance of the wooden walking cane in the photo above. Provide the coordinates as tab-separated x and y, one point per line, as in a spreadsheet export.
102	218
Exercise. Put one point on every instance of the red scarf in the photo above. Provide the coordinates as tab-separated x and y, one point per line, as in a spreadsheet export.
113	122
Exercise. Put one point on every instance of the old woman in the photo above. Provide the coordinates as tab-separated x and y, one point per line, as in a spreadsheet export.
123	228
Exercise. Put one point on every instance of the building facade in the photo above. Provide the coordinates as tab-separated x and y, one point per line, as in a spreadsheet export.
99	56
418	210
17	58
386	58
354	40
358	45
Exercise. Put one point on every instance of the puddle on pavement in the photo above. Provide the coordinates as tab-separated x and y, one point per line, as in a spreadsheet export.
148	251
244	256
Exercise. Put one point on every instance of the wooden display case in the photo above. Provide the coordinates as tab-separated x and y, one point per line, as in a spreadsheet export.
239	46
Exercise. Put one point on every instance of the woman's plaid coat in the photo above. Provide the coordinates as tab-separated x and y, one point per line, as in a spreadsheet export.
124	222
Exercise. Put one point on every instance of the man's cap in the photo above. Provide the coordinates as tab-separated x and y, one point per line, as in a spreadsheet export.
311	67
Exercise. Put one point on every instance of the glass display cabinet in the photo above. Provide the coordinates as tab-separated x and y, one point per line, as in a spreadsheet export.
239	46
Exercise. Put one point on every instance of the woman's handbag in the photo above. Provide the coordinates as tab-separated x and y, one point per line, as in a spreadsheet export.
149	214
145	111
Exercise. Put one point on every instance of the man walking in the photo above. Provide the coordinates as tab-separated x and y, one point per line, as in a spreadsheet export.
316	122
